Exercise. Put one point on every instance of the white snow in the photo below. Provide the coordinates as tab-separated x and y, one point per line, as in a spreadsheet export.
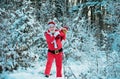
37	72
31	73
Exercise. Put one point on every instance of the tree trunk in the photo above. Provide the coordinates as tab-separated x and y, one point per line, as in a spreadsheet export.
92	14
85	9
99	19
78	1
67	7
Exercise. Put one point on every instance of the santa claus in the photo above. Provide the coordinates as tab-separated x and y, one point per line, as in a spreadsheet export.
54	38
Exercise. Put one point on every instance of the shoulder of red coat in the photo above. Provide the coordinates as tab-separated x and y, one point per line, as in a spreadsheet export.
46	32
56	30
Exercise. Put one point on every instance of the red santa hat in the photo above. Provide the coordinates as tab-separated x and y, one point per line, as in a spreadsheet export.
51	23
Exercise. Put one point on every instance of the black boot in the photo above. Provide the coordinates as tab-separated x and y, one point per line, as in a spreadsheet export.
46	76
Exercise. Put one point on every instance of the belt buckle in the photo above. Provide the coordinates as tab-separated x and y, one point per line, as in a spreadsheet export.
56	51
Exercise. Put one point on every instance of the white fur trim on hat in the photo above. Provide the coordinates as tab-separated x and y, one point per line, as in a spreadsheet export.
51	25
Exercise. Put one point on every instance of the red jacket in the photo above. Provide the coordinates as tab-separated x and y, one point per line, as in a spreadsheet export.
51	38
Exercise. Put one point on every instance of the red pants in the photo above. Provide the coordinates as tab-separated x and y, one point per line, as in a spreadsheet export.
58	62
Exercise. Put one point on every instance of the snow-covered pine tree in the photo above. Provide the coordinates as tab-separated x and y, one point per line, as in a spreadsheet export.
20	33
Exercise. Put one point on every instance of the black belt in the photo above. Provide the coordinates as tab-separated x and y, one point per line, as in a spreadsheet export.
55	51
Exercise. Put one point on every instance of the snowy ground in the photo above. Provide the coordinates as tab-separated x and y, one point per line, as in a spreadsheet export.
37	72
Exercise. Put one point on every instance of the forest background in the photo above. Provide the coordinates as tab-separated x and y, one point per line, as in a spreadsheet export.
93	36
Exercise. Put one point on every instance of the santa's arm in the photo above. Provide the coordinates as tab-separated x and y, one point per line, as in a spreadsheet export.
63	35
49	38
63	32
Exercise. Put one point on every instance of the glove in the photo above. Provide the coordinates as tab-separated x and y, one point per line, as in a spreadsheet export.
56	33
65	29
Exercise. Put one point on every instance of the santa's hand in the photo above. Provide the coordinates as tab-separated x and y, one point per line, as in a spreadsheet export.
56	33
65	29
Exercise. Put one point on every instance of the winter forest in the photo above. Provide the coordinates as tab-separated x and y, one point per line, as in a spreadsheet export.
92	47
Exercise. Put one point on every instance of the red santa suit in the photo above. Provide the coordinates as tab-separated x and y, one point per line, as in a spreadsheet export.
54	42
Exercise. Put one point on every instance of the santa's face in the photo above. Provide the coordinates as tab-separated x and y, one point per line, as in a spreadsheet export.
52	29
